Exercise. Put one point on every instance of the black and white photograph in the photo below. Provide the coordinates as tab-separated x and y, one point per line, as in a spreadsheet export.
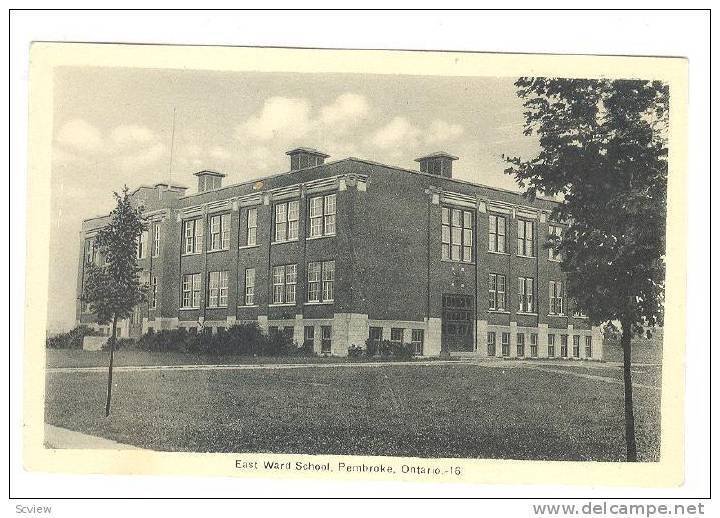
356	264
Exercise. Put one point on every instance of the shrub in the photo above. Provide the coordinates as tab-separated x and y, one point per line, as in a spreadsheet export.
73	339
355	351
388	349
402	350
371	347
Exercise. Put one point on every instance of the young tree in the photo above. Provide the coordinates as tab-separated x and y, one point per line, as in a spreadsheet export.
113	289
603	151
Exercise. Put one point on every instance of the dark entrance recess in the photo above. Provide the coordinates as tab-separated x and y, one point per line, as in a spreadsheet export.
457	322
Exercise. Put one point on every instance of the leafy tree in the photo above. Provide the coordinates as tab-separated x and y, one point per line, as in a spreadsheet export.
603	152
112	288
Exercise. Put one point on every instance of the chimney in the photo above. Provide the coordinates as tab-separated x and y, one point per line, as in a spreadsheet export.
303	157
209	180
438	163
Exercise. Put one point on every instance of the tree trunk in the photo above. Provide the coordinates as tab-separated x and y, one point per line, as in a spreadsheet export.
110	366
629	414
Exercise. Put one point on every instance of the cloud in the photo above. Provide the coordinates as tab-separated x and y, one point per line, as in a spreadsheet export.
280	117
144	158
347	108
398	132
130	134
441	131
219	153
80	135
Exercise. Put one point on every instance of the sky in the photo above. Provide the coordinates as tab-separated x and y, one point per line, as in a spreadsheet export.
113	127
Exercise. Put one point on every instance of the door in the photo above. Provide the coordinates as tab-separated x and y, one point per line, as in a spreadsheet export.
458	317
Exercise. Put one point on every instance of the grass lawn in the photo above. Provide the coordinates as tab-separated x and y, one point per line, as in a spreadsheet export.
417	411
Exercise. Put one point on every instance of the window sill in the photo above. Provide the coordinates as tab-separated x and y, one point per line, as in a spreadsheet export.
191	253
319	303
498	311
189	308
218	250
526	314
216	307
582	317
312	238
557	315
246	247
497	253
282	305
452	261
526	256
285	241
247	306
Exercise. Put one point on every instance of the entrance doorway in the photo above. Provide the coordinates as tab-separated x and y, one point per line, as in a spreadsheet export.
458	317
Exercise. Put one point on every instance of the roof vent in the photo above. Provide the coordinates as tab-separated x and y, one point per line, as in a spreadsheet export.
303	157
438	163
209	180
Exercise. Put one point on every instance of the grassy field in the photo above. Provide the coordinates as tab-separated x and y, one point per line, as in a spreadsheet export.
418	411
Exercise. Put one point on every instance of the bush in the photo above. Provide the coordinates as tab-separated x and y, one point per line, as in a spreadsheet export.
371	347
402	350
388	349
355	351
73	339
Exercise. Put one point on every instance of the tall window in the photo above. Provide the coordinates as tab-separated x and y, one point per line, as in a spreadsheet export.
576	346
457	235
287	215
525	294
497	234
564	346
217	289
554	231
90	251
142	245
521	344
505	342
153	292
251	235
533	345
417	340
396	334
250	286
588	347
497	292
193	235
556	298
220	232
491	343
309	338
321	280
325	339
156	240
284	282
551	346
322	215
376	334
525	238
191	290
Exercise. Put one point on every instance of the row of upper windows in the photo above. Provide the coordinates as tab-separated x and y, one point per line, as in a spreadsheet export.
320	286
322	212
520	345
497	295
457	236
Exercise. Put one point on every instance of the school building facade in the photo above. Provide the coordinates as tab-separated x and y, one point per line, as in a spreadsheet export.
334	253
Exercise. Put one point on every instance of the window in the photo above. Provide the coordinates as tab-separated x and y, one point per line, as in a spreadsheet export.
220	232
551	346
576	346
533	345
153	292
579	314
191	290
557	232
556	298
250	286
497	292
497	234
491	343
284	283
286	221
325	339
396	334
156	240
376	334
457	235
521	344
525	238
322	215
321	279
217	289
90	251
309	337
193	234
505	337
417	340
525	294
251	235
563	346
142	245
588	347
